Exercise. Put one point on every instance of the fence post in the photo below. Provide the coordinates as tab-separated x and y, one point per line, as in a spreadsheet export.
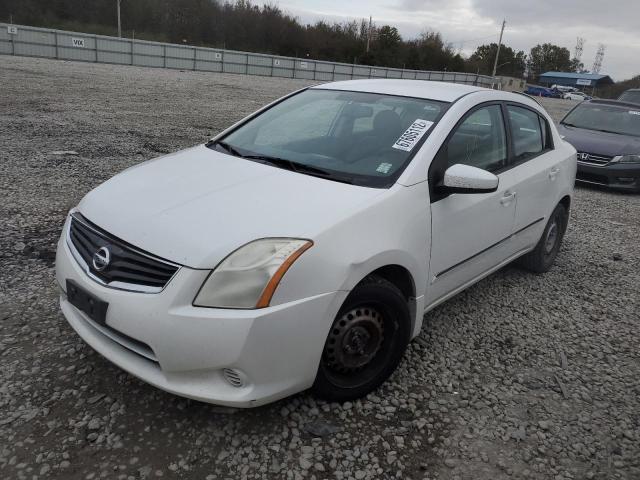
272	62
164	56
333	73
55	36
195	51
95	43
131	51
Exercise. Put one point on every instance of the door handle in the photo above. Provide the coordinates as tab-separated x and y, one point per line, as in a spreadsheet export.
553	173
507	198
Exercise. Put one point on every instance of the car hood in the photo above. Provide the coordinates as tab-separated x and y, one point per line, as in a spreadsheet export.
196	206
600	143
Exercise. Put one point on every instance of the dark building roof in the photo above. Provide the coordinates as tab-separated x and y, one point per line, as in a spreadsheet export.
575	79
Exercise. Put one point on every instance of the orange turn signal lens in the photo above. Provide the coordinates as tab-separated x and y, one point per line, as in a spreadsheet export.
269	290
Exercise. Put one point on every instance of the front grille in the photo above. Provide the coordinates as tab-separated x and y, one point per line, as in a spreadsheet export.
127	268
591	159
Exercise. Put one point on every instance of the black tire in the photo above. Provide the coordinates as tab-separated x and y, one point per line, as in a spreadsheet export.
366	341
541	258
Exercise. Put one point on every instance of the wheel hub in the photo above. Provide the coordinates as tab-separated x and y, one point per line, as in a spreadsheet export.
552	236
355	339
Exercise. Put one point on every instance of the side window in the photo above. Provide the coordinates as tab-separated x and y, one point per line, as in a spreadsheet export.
526	133
480	140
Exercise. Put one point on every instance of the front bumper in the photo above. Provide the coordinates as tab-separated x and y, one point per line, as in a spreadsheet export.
165	341
621	176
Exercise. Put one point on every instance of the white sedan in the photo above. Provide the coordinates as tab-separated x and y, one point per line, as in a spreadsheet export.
580	96
302	246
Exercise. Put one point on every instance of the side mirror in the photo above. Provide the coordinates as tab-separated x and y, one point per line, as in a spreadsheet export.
461	178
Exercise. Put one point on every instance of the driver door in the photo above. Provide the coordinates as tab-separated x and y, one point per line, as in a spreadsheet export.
471	231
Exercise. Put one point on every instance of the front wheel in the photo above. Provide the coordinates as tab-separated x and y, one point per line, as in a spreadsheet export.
541	258
366	341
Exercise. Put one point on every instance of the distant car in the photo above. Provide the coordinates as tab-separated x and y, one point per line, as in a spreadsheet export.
606	134
302	246
632	95
538	91
564	88
580	96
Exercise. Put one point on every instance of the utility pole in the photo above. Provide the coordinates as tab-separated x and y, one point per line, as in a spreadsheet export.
119	23
369	34
495	63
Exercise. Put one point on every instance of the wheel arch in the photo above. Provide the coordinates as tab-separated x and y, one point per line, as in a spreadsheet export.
401	277
566	203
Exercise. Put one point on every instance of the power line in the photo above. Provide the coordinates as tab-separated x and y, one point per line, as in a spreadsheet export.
472	40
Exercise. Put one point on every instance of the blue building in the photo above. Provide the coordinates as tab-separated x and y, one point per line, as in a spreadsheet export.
578	80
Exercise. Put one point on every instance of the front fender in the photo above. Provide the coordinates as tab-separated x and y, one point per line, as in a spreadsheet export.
395	229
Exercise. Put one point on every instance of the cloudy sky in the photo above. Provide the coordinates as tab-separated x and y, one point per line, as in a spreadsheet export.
469	23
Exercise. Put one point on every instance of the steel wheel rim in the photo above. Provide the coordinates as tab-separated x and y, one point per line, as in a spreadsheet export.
355	340
552	237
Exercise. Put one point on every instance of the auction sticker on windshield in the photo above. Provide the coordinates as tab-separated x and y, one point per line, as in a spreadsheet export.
412	135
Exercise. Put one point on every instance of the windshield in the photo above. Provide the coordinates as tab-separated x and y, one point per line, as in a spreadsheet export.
360	138
620	119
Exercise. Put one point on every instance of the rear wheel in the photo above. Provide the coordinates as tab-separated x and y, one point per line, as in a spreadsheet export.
541	259
366	341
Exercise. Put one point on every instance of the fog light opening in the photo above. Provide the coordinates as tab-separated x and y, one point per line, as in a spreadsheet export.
235	377
626	179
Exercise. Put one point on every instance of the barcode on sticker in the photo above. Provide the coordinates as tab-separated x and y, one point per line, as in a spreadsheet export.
412	135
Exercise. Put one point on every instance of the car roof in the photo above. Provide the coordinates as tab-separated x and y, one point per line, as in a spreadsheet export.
442	91
615	103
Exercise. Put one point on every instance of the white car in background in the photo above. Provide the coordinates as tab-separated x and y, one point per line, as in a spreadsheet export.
564	88
580	96
302	246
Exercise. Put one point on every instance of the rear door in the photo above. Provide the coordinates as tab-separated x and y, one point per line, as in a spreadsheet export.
537	167
471	232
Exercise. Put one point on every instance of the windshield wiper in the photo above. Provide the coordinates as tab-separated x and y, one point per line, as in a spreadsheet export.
607	131
283	163
592	129
299	167
230	149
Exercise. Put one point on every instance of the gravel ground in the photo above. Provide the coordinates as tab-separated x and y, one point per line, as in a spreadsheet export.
521	376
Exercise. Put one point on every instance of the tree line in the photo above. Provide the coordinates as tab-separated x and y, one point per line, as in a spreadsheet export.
241	25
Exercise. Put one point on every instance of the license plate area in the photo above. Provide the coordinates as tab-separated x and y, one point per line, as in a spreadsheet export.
95	308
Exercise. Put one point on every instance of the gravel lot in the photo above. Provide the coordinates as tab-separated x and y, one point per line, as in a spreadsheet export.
521	376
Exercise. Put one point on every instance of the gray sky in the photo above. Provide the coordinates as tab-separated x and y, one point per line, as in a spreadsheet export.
469	23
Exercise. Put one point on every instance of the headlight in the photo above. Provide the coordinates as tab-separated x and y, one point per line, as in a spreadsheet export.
626	159
249	276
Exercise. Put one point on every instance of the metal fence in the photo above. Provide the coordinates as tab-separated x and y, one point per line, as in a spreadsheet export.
59	44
